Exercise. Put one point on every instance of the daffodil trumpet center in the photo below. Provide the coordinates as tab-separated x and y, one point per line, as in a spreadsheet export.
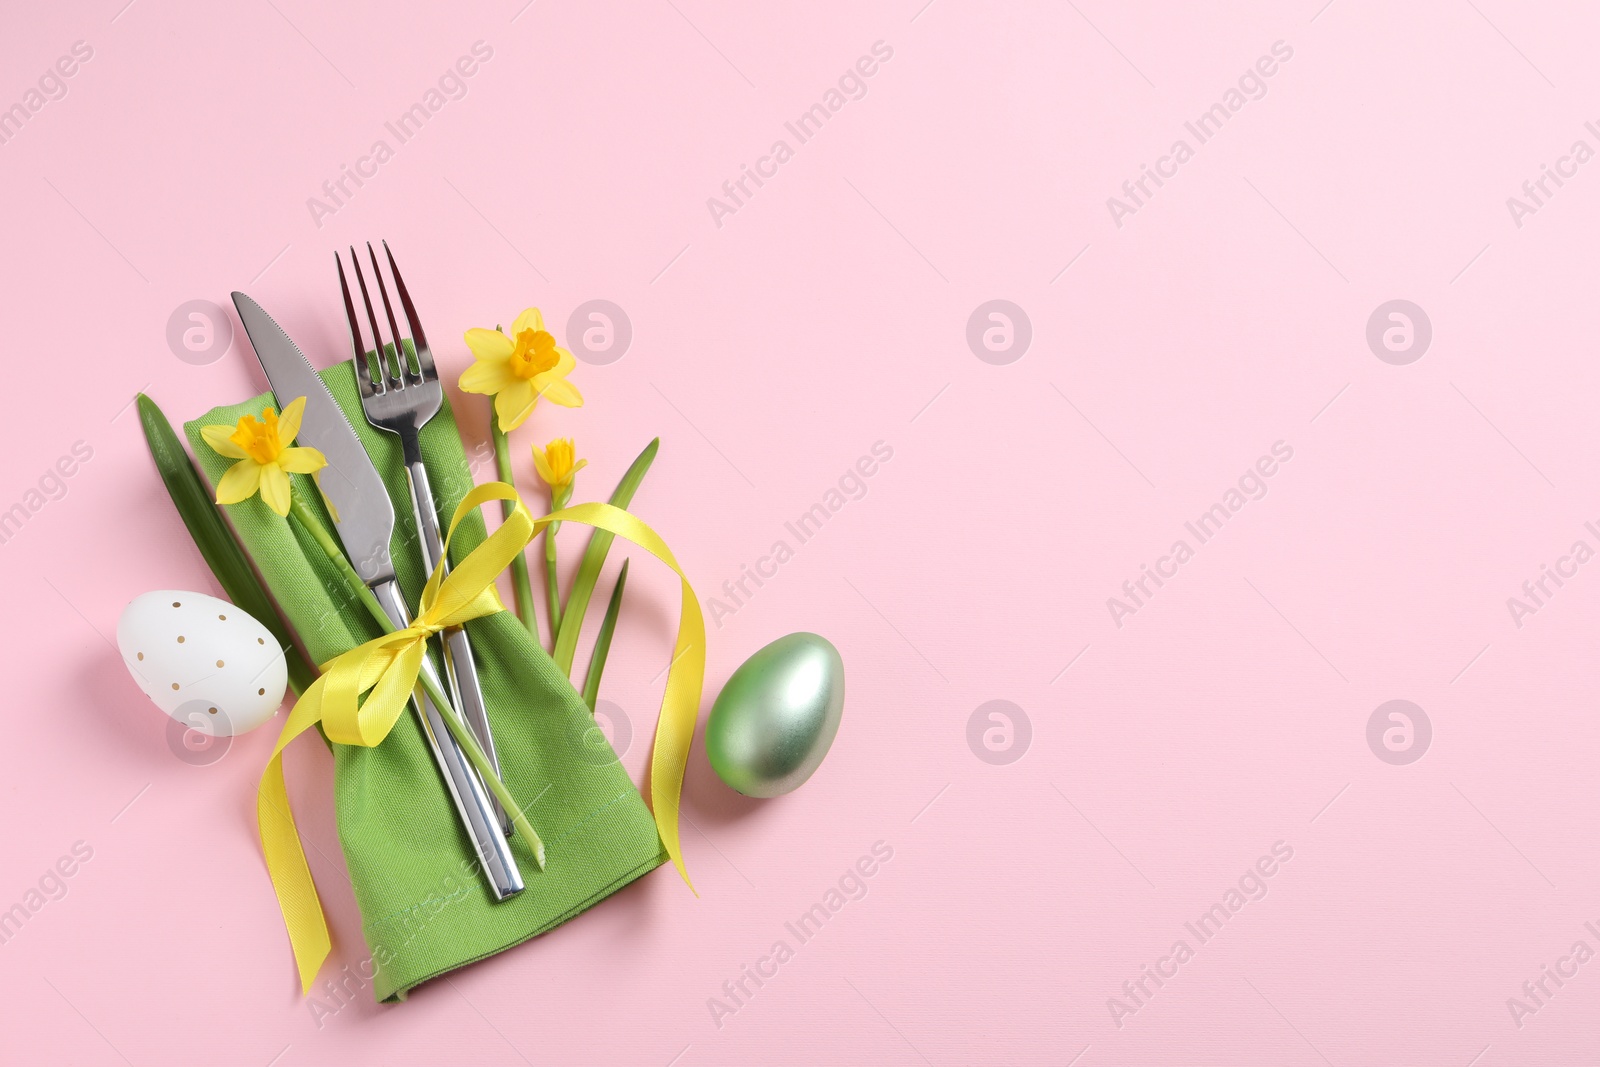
534	354
259	439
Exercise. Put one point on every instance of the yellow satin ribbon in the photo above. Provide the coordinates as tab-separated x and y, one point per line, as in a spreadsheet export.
386	670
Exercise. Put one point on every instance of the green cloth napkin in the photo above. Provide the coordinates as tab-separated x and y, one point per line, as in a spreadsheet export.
425	908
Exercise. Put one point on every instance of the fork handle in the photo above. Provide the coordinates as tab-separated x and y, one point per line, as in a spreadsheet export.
459	664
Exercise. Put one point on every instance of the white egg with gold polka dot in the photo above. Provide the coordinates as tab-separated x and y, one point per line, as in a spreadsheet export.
202	661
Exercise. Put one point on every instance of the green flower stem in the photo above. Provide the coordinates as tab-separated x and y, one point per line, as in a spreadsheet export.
308	521
486	771
559	498
552	590
303	516
602	642
521	588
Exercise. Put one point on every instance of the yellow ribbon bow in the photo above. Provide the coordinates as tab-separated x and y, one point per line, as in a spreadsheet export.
386	669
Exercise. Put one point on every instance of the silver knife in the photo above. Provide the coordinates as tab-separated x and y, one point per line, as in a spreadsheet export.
364	519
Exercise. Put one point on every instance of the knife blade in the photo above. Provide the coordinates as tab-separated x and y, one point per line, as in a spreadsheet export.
364	519
361	509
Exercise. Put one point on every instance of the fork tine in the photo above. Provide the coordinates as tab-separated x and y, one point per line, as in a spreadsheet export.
400	358
358	360
419	340
395	380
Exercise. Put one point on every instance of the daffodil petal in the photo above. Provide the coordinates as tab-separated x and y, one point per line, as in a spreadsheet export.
275	488
487	377
302	460
289	421
560	391
218	437
564	362
514	404
528	320
489	344
542	465
240	482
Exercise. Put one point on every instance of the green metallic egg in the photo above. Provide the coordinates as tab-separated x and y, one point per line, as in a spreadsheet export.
776	717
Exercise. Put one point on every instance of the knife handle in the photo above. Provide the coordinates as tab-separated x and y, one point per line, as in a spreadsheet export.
461	781
459	665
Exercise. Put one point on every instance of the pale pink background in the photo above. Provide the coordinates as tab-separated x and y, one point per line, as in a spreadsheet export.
769	353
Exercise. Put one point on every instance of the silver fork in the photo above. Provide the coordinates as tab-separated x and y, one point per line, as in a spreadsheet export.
401	398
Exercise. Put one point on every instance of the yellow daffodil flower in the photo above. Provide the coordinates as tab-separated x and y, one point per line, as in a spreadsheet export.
265	457
557	464
519	369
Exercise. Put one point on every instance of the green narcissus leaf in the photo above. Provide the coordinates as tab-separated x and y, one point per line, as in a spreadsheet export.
602	641
594	558
213	537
